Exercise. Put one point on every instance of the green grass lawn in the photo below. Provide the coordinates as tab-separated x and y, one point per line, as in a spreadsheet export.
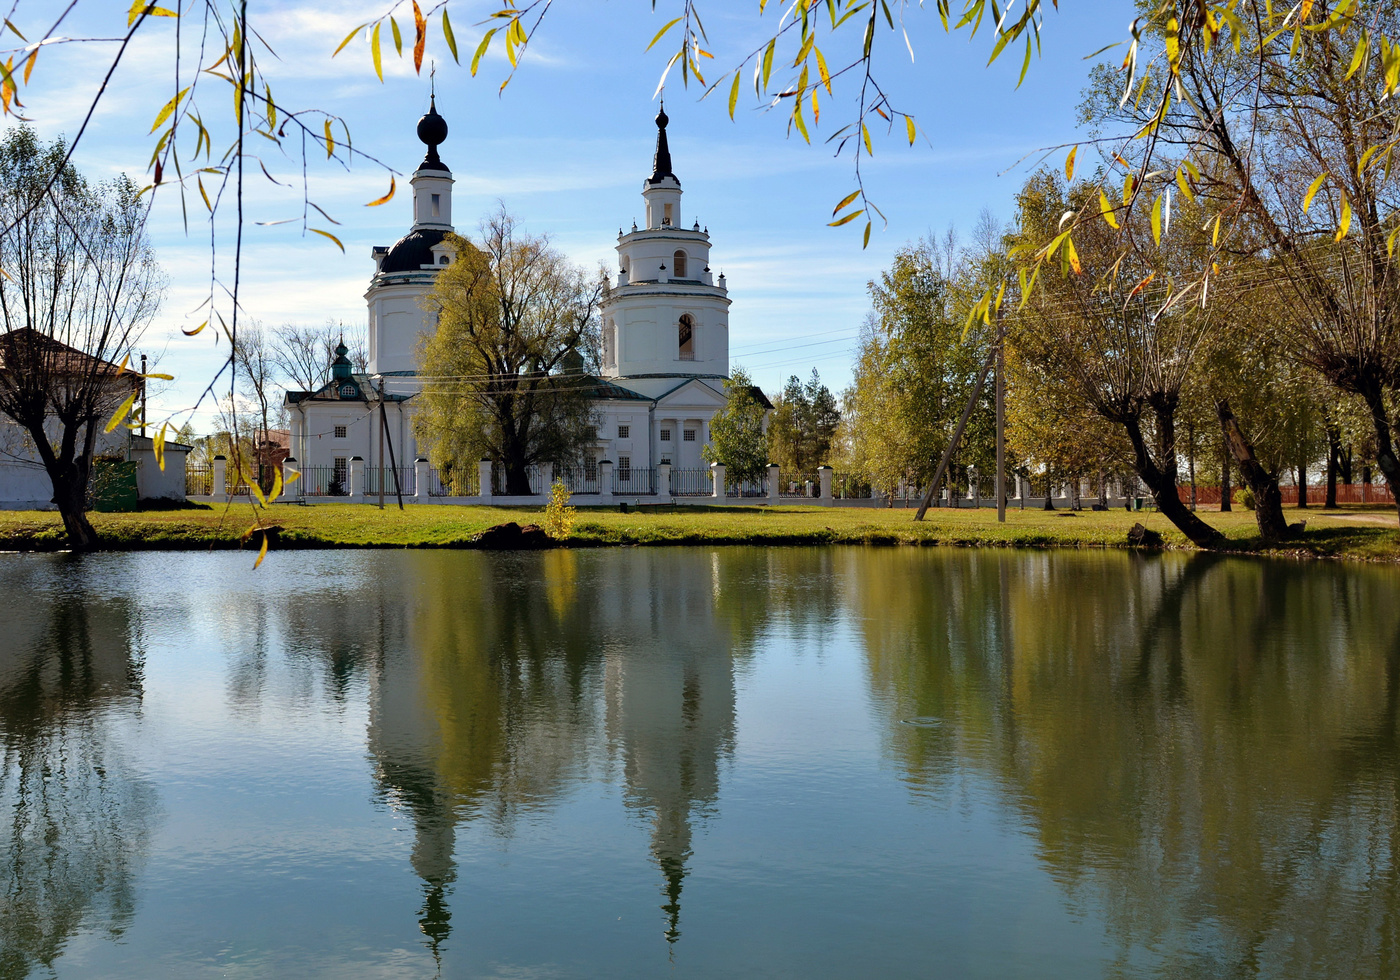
1367	533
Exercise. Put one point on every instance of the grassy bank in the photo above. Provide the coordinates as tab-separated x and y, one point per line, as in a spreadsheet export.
1366	533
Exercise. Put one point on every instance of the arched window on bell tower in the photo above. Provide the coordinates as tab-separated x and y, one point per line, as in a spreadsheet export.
687	337
678	265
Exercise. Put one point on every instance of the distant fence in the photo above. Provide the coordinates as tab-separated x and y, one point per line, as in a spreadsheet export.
634	481
581	481
199	481
457	482
749	488
377	475
691	483
1347	493
532	474
321	481
849	486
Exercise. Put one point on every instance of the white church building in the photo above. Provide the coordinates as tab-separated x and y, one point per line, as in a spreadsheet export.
665	348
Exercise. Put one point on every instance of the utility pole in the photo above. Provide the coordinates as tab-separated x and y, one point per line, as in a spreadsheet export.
1001	427
378	380
143	394
382	427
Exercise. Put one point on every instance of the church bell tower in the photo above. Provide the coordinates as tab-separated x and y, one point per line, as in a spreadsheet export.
667	316
404	272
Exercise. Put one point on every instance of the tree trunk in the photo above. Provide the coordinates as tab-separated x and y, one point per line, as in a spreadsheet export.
1162	482
1049	490
68	470
1191	460
1268	502
1334	462
1226	492
71	497
1385	449
1302	482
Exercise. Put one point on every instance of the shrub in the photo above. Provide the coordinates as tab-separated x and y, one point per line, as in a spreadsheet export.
558	520
1245	498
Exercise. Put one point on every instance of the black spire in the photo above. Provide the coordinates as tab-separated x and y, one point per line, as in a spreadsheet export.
432	130
661	163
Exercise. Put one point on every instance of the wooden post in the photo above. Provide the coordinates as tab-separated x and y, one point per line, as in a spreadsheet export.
383	434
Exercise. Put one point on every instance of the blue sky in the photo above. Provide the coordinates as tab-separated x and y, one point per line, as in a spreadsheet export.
566	147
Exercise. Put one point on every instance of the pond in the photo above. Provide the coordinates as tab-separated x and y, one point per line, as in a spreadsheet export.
730	762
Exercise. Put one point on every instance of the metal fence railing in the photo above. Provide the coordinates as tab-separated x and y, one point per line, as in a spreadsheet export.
634	481
456	482
849	486
375	474
581	480
749	488
199	481
498	481
322	481
691	483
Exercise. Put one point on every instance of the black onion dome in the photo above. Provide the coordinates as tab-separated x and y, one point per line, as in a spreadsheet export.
413	251
432	130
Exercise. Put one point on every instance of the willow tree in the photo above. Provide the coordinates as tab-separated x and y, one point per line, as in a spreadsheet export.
504	374
1280	124
80	284
1095	321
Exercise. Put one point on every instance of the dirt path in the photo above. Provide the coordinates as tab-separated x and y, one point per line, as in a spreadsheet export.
1363	518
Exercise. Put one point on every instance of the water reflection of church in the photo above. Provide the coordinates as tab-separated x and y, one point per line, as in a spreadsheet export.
497	698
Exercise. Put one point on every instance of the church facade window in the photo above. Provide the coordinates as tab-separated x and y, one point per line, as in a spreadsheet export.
347	391
442	260
687	337
338	473
665	435
340	432
668	212
624	432
437	205
624	468
678	264
689	435
590	467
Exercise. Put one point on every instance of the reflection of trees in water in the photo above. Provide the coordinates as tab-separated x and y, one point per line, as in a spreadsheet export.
80	817
1206	746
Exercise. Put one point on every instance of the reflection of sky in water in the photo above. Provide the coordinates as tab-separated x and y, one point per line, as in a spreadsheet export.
614	763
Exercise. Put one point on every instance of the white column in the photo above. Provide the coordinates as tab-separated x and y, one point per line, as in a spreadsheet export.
546	478
717	478
483	470
420	478
824	476
357	477
663	480
773	475
289	472
219	486
605	480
